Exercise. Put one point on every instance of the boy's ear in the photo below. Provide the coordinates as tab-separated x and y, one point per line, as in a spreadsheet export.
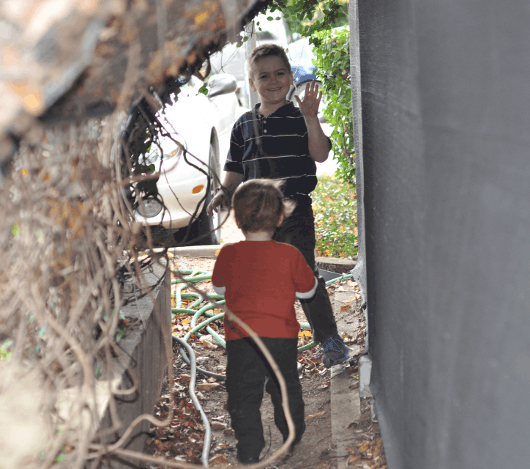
251	83
292	79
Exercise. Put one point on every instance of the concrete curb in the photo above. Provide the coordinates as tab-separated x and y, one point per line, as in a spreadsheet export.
196	251
345	399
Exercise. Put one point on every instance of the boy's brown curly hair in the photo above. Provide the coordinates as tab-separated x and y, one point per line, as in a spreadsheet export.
259	204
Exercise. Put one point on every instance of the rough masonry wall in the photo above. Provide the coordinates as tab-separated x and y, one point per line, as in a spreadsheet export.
443	137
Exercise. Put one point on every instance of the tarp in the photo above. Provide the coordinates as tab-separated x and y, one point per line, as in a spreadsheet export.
442	133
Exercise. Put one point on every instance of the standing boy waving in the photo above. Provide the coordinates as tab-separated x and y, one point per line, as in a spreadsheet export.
277	140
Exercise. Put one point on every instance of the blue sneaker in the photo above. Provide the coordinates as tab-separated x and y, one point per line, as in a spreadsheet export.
333	351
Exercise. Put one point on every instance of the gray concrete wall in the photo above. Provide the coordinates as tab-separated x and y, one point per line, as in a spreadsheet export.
143	345
442	127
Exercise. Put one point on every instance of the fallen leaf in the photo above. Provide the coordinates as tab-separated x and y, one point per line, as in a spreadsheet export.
314	416
207	386
162	446
348	301
304	334
206	340
184	377
346	308
218	425
218	460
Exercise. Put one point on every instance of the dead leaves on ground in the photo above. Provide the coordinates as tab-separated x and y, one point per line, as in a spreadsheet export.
183	439
367	454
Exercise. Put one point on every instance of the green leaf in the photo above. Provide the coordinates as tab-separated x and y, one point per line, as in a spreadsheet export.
152	168
203	89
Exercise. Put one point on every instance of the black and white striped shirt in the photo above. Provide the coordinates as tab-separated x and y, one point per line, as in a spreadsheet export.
284	151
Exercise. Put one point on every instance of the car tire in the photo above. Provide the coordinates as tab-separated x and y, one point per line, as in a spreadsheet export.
205	230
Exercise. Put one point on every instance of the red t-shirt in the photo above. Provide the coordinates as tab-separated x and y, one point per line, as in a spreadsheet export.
260	280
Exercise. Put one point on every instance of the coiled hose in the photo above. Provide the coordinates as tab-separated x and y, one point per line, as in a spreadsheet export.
198	276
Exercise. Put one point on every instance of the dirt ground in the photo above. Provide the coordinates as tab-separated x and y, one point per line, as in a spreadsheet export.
183	439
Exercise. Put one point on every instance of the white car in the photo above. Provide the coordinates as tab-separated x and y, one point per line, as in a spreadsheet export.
202	124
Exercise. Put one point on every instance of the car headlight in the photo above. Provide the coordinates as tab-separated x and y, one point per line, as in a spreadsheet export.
169	148
176	152
149	207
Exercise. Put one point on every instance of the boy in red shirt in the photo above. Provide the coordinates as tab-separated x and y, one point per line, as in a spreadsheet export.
260	279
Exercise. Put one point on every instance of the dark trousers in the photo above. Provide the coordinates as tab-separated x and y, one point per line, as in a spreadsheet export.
247	371
298	230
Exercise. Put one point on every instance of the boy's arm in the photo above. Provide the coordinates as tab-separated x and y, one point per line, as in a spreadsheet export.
232	177
318	141
303	277
310	294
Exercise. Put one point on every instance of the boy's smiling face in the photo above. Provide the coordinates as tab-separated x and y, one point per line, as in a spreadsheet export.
271	78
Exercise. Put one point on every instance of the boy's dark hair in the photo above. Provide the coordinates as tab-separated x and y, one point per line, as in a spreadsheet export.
258	205
267	50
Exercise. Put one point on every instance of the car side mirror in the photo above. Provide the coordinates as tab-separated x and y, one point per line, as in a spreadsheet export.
222	83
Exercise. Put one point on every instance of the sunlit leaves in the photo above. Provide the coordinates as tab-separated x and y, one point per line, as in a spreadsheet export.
335	211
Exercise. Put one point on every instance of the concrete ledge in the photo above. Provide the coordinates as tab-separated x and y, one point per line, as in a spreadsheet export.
336	264
345	399
345	410
143	351
196	251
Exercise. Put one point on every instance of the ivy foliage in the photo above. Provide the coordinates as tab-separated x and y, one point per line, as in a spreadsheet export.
321	22
333	68
306	17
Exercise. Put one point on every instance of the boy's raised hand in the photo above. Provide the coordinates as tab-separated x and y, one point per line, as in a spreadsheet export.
309	106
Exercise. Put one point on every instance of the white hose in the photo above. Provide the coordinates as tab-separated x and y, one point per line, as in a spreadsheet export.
205	423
